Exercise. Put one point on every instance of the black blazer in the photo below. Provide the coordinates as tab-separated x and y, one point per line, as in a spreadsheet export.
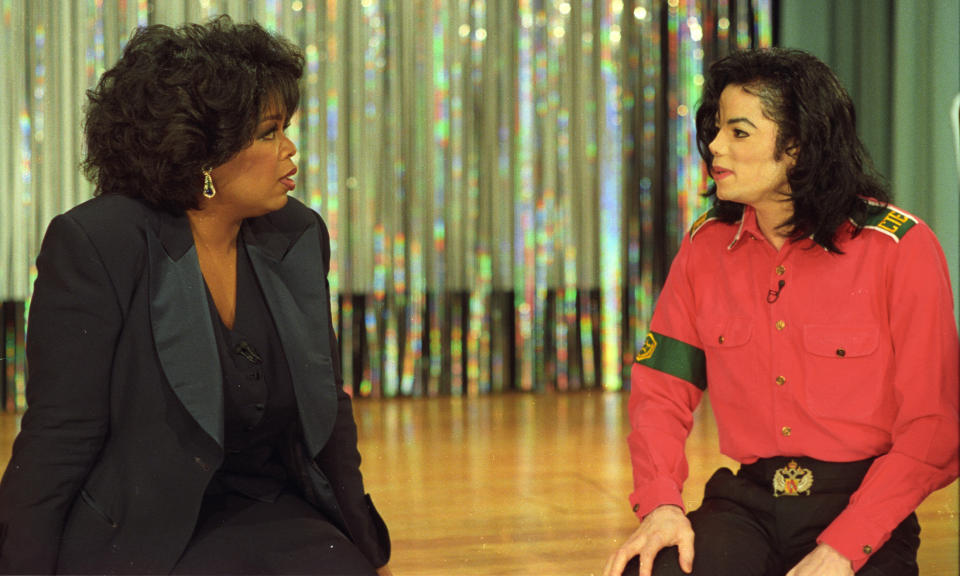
124	426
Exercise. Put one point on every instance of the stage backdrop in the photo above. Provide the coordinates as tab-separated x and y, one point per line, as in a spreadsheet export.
505	181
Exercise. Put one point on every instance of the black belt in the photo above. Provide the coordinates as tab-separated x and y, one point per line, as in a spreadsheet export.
798	476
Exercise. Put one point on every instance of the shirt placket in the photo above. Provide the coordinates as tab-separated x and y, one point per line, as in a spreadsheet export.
781	326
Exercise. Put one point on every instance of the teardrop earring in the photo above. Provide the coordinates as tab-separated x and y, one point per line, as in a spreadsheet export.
208	190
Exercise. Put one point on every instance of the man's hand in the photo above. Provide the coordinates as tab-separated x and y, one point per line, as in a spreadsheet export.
665	526
823	561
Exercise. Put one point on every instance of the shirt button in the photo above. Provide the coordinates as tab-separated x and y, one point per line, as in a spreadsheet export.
786	430
867	549
781	324
720	339
781	380
841	352
636	508
781	270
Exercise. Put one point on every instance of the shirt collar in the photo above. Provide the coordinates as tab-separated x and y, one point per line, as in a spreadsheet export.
748	227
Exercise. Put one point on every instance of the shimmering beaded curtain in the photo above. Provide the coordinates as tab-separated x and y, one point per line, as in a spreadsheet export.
505	181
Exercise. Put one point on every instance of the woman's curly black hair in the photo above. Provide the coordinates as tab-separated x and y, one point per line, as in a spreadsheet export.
183	99
816	126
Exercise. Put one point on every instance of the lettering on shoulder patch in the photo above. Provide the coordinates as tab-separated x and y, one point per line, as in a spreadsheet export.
707	216
890	221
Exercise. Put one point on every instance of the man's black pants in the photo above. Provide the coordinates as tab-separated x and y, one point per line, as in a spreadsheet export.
742	529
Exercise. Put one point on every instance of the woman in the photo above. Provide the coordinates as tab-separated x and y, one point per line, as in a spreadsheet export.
820	319
185	406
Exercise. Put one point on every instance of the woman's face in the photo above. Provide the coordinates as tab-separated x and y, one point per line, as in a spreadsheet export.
256	180
744	165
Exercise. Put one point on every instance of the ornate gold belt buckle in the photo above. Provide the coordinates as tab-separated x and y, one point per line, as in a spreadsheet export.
792	480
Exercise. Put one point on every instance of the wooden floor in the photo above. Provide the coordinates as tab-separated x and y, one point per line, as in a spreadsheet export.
529	484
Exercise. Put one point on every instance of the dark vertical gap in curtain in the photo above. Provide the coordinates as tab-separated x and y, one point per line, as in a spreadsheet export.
5	389
888	58
507	297
353	337
356	351
832	51
12	353
576	375
885	144
857	50
775	18
661	257
633	188
599	112
503	316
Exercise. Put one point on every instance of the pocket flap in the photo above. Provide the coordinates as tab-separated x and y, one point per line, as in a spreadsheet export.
840	341
725	332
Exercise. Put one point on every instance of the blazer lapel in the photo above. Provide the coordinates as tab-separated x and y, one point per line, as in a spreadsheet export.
290	269
182	324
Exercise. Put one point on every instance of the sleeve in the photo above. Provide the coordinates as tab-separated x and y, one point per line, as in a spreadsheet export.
667	382
340	459
73	326
924	453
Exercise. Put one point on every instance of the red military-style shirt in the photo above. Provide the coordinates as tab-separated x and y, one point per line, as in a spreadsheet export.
838	357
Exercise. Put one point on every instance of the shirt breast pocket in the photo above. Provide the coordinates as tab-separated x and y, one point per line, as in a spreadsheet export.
719	334
730	356
843	372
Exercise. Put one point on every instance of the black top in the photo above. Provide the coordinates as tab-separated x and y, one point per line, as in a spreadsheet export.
123	365
259	403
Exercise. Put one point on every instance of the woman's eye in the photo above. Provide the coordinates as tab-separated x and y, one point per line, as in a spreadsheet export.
269	135
737	133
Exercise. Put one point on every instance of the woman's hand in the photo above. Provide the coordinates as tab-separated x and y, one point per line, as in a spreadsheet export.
666	526
823	561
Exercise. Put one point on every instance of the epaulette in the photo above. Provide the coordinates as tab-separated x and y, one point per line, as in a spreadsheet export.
890	221
702	220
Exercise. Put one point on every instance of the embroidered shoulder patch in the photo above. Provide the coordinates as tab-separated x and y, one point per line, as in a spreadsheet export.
707	216
675	358
891	222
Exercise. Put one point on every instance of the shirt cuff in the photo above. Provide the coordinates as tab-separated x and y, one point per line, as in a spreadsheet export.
649	495
855	537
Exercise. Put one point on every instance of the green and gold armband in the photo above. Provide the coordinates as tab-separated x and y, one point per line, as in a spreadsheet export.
675	358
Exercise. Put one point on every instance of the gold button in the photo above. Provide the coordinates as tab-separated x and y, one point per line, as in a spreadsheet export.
781	270
636	508
841	352
786	430
867	549
720	339
781	380
781	325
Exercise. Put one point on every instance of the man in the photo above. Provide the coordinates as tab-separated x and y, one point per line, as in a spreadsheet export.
821	319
